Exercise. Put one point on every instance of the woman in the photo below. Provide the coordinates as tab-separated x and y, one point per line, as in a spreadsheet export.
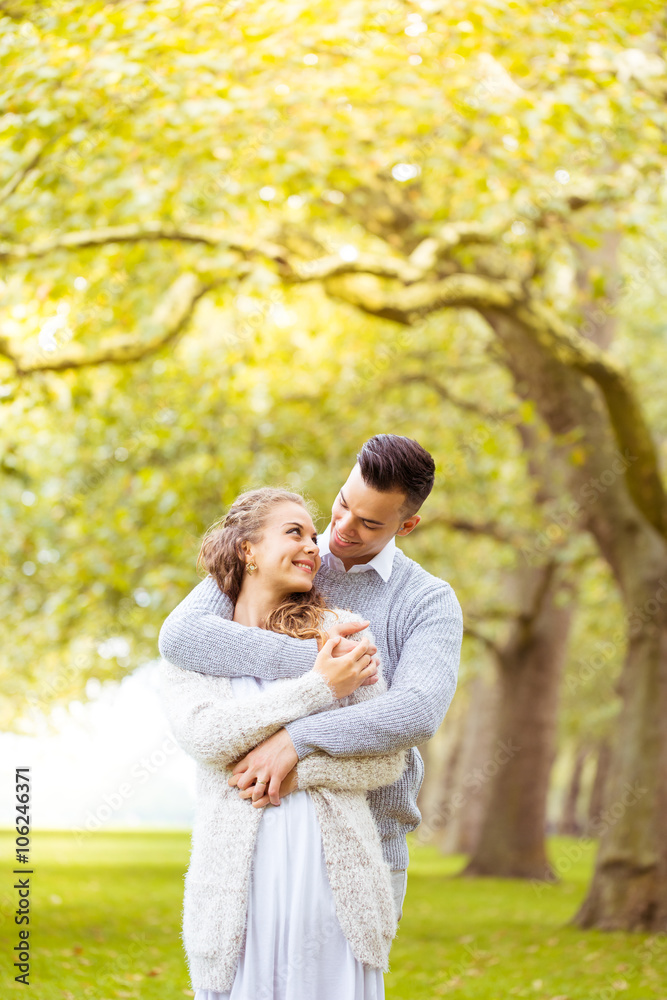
291	902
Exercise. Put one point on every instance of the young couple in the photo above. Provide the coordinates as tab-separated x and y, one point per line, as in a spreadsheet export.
304	726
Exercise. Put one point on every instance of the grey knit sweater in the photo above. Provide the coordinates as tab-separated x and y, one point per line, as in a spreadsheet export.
418	626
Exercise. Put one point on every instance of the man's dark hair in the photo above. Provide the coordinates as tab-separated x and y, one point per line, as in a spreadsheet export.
389	462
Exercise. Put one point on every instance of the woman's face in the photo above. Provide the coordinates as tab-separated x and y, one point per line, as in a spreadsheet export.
287	555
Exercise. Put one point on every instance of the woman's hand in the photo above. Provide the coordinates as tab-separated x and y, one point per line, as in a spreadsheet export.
287	785
346	644
344	674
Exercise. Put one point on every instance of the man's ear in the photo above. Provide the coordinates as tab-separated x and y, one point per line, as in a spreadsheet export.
409	525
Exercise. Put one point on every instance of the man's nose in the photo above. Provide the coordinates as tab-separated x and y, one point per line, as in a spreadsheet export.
345	524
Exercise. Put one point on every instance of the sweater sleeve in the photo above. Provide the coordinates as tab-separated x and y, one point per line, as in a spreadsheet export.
351	773
421	690
214	727
199	635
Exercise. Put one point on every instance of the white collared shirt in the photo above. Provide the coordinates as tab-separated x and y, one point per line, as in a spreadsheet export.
381	563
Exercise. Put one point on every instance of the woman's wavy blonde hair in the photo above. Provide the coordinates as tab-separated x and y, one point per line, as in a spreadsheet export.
221	554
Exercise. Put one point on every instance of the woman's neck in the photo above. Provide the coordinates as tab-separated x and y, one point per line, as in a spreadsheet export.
254	605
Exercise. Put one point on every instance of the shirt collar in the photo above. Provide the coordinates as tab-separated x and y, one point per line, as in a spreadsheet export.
381	563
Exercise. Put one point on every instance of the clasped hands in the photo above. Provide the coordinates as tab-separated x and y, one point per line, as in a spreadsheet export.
273	762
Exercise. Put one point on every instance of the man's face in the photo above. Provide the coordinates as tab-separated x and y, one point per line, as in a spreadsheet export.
363	520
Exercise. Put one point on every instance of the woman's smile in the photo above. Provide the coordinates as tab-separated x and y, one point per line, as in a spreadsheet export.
304	565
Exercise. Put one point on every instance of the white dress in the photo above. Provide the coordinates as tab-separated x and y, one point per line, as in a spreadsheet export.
295	948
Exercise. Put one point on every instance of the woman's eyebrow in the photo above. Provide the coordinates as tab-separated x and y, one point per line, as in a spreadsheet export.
299	524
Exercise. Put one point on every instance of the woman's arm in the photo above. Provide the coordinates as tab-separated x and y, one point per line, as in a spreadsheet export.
214	727
350	773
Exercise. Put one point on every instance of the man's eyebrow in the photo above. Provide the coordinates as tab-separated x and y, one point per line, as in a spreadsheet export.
381	523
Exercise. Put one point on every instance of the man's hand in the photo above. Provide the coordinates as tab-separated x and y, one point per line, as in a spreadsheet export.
272	761
347	645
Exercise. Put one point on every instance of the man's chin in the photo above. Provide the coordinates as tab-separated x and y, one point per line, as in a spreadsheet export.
345	553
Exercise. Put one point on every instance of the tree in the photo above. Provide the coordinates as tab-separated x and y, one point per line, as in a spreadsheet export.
462	196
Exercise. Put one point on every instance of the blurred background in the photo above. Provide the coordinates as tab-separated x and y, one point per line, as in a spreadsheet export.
238	239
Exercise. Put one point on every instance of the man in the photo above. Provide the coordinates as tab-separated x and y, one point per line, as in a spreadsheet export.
416	620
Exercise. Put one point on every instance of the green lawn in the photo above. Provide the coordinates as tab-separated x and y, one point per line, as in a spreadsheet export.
106	921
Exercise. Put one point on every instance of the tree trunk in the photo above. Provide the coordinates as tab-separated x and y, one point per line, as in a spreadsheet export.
569	825
512	838
597	797
451	762
629	886
443	753
461	807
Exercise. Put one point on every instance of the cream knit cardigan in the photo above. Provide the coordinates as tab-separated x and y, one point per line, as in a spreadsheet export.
216	728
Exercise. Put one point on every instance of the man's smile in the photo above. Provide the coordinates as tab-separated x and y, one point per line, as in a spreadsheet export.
342	541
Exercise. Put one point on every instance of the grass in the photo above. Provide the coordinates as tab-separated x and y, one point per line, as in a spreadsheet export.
106	911
491	939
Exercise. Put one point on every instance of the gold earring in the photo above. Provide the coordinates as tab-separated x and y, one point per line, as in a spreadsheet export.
251	567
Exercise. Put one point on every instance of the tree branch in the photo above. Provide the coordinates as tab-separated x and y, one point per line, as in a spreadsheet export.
450	397
631	431
426	255
409	305
562	343
432	356
13	11
131	233
582	194
169	318
546	576
490	529
474	633
362	283
23	171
